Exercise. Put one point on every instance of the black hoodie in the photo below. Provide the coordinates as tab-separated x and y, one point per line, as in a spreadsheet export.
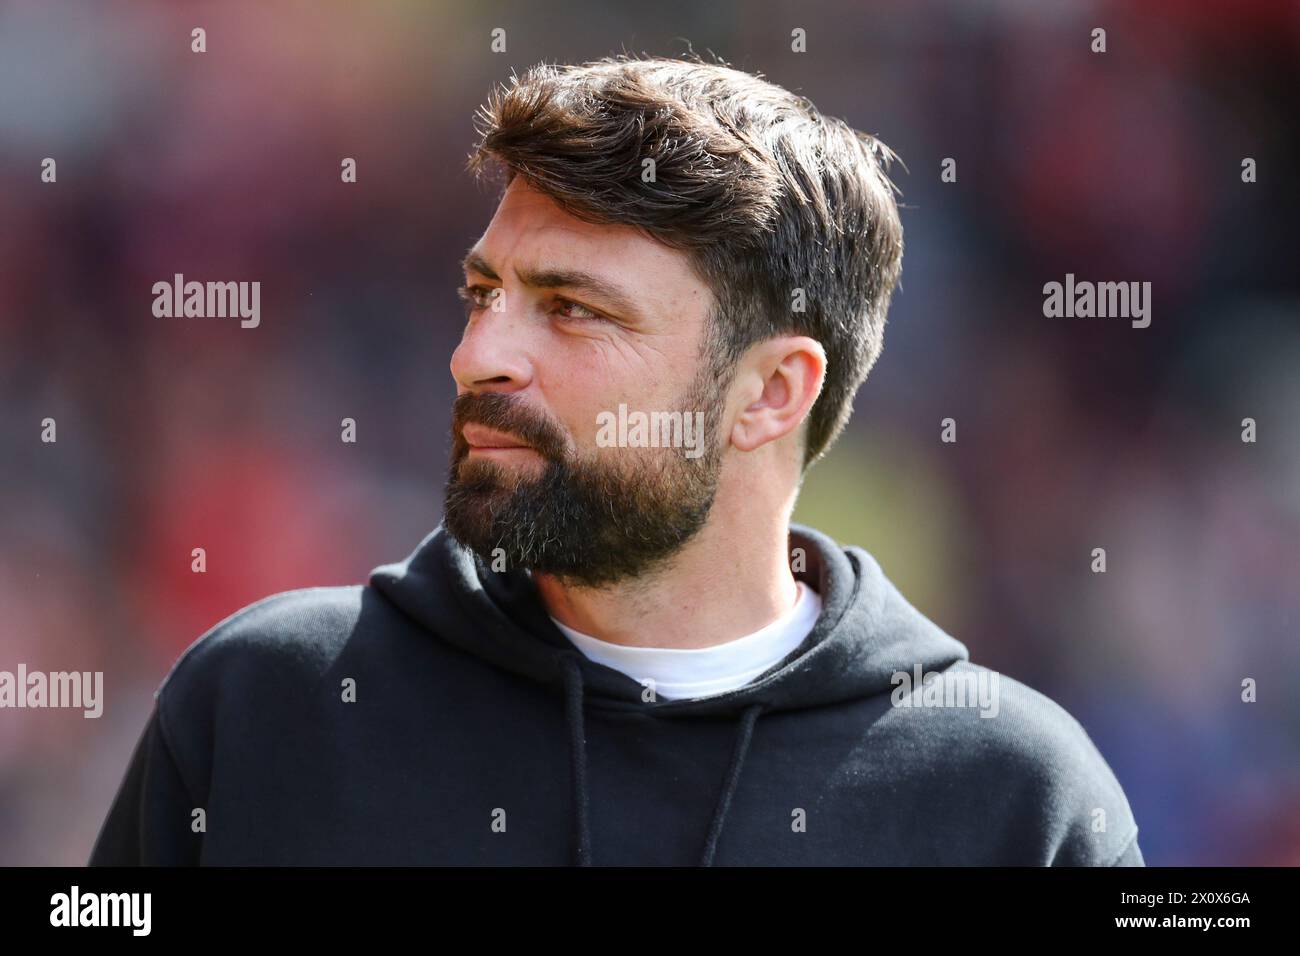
438	716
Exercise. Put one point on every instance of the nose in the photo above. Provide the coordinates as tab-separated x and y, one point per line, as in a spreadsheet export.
492	354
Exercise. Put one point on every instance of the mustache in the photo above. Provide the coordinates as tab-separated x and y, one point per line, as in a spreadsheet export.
508	414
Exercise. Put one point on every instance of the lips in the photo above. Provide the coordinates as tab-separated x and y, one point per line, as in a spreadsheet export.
479	436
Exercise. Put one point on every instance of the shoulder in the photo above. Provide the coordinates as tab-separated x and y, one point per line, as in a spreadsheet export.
262	668
292	631
1018	724
996	735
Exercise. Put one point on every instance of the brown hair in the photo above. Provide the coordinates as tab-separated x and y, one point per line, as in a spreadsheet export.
765	194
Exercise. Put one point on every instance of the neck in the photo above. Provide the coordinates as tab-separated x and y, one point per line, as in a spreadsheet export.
729	580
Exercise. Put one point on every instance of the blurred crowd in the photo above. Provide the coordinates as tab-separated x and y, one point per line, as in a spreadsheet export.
1072	434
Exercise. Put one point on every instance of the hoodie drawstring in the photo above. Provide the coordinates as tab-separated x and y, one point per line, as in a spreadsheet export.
578	750
573	688
743	736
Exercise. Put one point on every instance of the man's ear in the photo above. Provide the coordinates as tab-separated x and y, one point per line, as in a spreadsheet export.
782	378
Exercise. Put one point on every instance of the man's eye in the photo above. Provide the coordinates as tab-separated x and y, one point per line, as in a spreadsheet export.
476	296
573	310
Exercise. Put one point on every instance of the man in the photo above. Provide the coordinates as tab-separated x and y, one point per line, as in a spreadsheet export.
616	649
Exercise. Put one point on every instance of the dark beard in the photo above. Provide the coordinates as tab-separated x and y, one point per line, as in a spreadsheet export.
590	521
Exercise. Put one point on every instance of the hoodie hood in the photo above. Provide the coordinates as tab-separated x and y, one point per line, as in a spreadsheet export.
866	633
867	630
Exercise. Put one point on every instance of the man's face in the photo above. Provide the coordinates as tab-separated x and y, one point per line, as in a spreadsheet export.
568	321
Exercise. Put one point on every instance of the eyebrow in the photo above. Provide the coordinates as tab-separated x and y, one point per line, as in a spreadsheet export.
561	279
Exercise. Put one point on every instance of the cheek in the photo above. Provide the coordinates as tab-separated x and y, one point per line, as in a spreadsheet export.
576	383
585	378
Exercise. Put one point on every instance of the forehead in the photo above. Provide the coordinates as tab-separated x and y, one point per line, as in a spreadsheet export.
530	231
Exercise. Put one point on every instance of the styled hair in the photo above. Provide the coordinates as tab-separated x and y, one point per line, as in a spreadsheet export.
788	216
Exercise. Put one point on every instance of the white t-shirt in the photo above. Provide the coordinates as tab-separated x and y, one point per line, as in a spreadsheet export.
706	671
